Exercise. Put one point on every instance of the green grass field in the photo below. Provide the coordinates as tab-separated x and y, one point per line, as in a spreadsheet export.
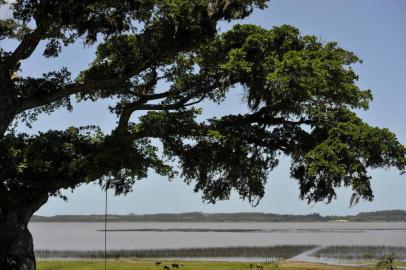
135	265
189	265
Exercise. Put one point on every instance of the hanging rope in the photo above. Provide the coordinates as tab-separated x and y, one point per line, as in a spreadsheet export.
105	227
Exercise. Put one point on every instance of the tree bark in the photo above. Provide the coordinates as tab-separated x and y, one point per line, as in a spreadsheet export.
5	121
16	242
16	245
7	103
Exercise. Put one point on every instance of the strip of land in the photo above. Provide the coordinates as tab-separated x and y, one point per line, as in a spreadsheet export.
387	215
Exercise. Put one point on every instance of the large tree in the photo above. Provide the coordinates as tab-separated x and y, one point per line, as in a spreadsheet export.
301	95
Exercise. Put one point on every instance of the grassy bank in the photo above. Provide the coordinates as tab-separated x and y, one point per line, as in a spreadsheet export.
359	252
275	252
150	265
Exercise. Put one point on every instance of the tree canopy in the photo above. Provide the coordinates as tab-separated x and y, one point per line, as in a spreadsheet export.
165	58
301	95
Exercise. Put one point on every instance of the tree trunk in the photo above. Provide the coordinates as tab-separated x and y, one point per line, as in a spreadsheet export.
16	245
5	121
7	102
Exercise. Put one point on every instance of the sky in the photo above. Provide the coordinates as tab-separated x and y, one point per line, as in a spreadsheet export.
373	29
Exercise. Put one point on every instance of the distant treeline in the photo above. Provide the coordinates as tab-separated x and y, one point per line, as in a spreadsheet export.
388	215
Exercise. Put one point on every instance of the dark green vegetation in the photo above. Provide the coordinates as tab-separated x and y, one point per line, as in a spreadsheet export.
300	92
387	261
360	252
274	252
389	215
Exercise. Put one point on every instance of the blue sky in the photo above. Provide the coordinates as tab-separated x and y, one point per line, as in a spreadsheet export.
374	30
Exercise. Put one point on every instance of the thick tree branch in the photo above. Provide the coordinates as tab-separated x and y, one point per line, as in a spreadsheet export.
24	50
3	192
214	12
75	88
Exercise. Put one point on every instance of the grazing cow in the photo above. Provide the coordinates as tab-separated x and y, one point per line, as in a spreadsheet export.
157	263
175	265
260	267
166	267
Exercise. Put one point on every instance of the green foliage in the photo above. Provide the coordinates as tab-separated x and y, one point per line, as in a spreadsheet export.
386	262
343	157
64	159
300	92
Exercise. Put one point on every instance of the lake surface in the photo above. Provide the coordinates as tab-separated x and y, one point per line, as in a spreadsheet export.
90	236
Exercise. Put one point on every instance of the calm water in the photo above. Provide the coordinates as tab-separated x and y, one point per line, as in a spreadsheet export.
90	236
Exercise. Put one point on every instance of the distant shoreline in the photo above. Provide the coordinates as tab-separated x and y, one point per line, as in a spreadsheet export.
255	217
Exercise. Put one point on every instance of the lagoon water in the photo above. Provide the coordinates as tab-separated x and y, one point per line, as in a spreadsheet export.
131	235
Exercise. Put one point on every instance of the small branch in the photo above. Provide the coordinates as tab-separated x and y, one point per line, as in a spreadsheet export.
194	102
261	117
141	105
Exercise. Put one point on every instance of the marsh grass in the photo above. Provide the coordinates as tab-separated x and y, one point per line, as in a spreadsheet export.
274	252
360	252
